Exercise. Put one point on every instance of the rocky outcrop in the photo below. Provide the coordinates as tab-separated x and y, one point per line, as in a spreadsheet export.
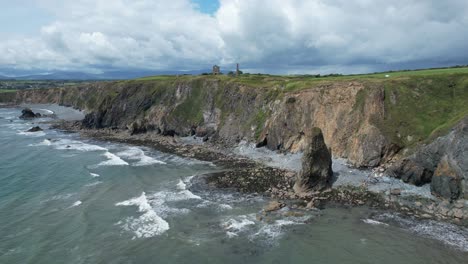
29	114
446	181
443	163
35	129
316	173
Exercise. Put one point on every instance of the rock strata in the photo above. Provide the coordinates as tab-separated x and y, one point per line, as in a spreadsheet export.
316	173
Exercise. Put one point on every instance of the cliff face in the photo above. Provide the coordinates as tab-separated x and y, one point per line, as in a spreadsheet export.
366	121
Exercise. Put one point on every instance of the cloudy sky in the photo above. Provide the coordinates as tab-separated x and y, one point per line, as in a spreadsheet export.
276	36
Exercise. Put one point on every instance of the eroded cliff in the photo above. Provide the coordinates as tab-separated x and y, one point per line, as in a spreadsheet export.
367	121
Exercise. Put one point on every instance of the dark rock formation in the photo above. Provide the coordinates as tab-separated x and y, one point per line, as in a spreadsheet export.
446	182
412	172
444	163
35	129
316	173
138	127
28	114
262	143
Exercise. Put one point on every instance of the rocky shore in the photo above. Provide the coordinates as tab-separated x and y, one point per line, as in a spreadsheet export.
246	175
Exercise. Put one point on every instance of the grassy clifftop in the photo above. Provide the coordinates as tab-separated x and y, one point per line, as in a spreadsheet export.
411	107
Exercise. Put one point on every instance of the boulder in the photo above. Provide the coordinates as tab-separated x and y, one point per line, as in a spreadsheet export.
35	129
28	114
273	206
316	173
446	182
411	172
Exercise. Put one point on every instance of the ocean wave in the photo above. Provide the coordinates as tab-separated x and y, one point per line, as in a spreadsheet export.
135	153
447	233
149	224
373	222
113	160
94	175
93	184
237	225
45	142
66	144
31	134
75	204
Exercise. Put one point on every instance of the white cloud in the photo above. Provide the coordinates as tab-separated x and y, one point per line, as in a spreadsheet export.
262	34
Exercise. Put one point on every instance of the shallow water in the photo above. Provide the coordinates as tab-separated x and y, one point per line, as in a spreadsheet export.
64	199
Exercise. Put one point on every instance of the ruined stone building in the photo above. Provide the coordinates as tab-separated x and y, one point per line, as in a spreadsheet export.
216	70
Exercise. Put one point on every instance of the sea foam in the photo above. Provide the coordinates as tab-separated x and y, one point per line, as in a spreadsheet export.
139	155
113	160
149	224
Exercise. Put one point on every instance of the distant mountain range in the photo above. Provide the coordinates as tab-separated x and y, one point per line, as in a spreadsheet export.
110	75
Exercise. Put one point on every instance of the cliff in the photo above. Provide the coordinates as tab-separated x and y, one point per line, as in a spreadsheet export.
366	120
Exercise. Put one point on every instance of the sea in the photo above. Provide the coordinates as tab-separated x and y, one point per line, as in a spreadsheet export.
67	199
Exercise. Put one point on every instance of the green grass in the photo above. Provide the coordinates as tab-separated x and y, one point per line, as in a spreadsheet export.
420	108
7	91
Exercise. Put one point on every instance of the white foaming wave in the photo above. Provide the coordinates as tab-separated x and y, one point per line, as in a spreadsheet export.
66	144
49	112
93	184
45	142
449	234
181	185
235	226
31	134
113	160
225	207
269	233
183	195
135	153
94	175
59	197
75	204
373	222
149	224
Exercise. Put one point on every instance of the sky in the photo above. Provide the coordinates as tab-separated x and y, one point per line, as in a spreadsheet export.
269	36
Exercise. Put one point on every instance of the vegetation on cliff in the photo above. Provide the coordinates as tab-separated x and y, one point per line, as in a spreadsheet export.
376	115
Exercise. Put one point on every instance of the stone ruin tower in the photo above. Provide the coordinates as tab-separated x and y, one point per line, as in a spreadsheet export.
216	70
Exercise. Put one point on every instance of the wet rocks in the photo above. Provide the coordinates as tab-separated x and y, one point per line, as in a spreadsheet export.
273	206
262	143
28	114
35	129
316	173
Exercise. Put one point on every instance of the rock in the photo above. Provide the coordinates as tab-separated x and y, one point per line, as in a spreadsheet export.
262	143
137	127
169	133
395	192
35	129
28	114
273	206
316	173
205	138
411	172
420	167
458	213
446	182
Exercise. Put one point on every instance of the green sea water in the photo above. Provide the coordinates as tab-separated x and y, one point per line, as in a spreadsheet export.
65	199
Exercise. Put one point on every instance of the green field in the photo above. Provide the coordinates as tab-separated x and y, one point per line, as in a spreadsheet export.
7	91
298	82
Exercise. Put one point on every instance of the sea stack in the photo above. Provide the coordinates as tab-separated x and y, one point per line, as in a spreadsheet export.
316	173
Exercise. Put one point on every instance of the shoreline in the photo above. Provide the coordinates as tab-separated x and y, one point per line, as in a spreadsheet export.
247	175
